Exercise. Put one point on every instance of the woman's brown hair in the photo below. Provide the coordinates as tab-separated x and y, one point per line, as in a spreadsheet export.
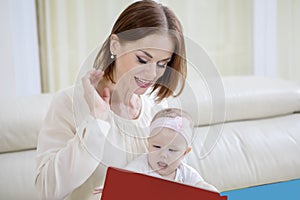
137	21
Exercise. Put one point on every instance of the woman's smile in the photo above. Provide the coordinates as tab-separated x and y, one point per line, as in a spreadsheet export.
142	83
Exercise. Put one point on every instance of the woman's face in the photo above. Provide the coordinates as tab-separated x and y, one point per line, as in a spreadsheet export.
140	63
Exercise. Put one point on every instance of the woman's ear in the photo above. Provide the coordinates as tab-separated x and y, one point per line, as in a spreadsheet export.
114	44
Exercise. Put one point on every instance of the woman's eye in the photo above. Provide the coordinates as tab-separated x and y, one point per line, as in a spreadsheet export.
141	60
156	146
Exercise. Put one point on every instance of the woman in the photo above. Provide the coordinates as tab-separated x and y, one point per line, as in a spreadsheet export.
73	152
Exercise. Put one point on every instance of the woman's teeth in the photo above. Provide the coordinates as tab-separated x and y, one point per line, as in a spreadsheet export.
142	83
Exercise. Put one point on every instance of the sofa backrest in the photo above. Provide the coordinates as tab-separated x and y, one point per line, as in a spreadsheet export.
20	121
244	98
238	98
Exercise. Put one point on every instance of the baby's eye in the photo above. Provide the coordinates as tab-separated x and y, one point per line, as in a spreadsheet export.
141	60
173	150
156	146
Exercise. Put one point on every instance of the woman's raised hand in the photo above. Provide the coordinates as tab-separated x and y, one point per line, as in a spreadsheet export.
99	105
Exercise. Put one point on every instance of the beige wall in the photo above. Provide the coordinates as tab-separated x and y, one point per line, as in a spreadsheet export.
19	61
288	30
223	28
70	29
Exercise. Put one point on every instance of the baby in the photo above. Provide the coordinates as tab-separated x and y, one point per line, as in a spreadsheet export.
171	135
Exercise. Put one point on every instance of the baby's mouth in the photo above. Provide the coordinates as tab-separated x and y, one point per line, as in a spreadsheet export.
162	165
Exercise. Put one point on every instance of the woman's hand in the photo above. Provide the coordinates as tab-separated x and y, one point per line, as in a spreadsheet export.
98	190
99	105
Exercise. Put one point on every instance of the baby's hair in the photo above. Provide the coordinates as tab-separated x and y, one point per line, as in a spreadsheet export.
173	113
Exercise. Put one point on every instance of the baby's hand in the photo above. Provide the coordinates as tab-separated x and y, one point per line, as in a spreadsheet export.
98	190
206	186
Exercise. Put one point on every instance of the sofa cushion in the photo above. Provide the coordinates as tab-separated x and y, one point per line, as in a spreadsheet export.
249	153
20	121
237	98
17	172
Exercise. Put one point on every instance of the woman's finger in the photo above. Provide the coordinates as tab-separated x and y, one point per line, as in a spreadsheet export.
95	76
98	105
89	89
97	190
106	95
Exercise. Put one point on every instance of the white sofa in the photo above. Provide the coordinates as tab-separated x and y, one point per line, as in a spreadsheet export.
258	143
20	121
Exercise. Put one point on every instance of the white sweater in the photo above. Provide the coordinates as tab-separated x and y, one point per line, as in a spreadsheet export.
74	149
184	173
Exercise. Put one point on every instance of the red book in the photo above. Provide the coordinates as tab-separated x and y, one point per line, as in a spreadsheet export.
121	184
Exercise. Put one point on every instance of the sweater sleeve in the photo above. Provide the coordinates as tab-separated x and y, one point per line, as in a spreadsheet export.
66	155
191	176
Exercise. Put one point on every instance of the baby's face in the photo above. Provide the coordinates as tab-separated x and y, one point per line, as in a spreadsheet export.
166	150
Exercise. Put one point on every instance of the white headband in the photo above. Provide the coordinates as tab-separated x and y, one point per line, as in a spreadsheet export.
178	124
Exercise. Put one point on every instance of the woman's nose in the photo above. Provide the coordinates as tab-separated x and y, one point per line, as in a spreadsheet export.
151	71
